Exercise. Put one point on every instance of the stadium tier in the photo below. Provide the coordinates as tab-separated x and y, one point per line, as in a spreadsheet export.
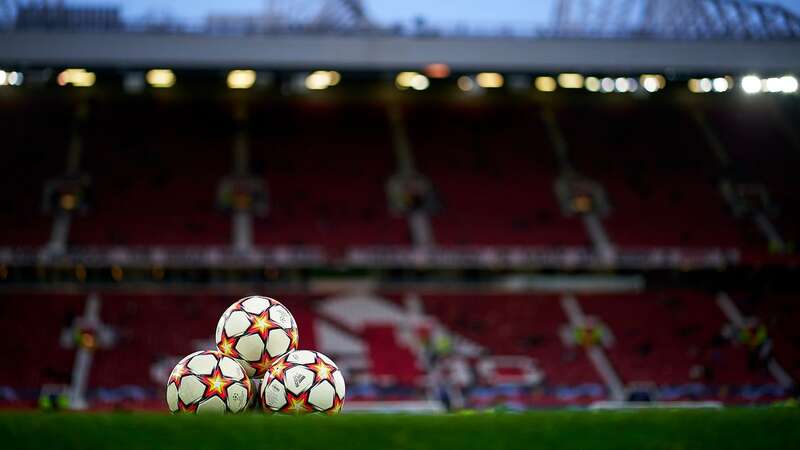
779	313
494	170
686	347
49	362
154	171
287	147
636	154
29	160
154	168
761	150
517	325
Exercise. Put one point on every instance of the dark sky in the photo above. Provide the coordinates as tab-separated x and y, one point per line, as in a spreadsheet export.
472	12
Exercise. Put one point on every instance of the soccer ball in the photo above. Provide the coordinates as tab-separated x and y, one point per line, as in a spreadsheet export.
256	331
208	382
303	382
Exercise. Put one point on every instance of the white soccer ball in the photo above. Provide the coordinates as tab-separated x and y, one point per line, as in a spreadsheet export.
256	331
303	382
208	382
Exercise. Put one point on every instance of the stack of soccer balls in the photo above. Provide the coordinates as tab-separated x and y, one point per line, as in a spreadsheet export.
256	341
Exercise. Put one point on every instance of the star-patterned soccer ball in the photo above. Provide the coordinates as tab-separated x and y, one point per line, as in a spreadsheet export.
256	331
303	382
208	382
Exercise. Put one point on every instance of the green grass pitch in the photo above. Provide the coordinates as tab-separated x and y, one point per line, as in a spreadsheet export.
730	429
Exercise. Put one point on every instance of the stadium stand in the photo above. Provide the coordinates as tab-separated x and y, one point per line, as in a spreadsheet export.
683	357
515	325
351	208
492	166
30	157
390	363
686	346
761	149
155	166
40	359
779	313
494	170
154	169
636	153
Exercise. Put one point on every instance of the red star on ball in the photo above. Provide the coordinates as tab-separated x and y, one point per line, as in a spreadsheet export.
261	325
216	384
294	337
297	404
277	370
228	346
322	370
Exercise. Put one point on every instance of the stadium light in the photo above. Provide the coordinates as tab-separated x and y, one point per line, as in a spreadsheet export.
335	77
622	84
788	84
322	79
437	70
403	80
11	78
420	82
652	83
76	77
414	80
489	80
241	79
545	84
316	81
720	84
772	84
592	84
607	85
465	83
700	86
160	78
570	80
751	84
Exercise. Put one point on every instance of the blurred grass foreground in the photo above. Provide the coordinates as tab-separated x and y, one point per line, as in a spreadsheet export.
762	428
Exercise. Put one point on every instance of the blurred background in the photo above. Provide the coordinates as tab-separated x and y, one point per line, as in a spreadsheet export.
517	205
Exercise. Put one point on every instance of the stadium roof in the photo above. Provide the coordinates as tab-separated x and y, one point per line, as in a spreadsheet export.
618	35
626	19
292	52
